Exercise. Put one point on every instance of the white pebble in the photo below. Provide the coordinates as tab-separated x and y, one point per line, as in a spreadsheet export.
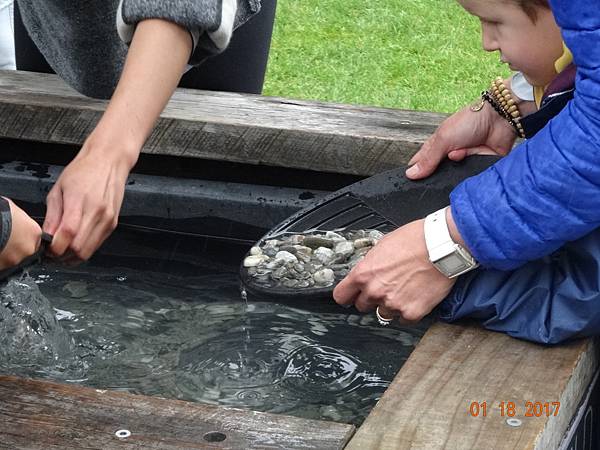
323	276
344	248
286	257
254	260
324	254
256	251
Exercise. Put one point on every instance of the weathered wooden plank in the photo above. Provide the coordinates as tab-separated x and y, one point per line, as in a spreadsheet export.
43	415
225	126
427	405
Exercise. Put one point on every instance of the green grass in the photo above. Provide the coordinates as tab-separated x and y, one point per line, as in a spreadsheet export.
410	54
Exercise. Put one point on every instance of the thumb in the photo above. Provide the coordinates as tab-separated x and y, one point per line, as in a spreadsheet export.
426	160
54	211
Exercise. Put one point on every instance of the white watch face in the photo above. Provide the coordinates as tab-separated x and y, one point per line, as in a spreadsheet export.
452	264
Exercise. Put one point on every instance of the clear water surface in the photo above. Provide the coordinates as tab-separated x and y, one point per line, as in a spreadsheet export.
121	324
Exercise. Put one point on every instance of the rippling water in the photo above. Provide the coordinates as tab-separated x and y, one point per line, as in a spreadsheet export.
193	338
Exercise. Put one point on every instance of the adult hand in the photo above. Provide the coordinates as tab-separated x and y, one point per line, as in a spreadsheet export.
397	276
84	204
24	240
464	133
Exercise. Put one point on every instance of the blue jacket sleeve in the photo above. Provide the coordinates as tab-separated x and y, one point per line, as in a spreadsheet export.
548	301
547	191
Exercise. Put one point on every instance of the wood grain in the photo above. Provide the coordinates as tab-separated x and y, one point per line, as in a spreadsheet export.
427	405
230	127
40	415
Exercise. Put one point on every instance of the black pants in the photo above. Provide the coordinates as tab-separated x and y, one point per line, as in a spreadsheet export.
240	68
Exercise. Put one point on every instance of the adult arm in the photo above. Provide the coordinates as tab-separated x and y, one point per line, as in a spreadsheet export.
547	191
84	204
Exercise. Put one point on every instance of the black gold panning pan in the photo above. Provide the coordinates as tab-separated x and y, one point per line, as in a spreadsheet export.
382	202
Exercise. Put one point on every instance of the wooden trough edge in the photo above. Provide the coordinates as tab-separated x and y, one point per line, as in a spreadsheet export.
44	415
231	127
428	405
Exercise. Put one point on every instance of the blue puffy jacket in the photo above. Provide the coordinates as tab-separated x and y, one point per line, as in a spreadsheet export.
545	194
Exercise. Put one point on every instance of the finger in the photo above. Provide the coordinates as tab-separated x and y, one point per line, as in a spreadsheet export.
67	230
457	155
402	321
346	291
365	302
92	228
94	239
388	313
107	220
426	160
54	210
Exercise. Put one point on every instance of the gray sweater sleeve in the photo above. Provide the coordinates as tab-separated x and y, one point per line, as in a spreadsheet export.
210	22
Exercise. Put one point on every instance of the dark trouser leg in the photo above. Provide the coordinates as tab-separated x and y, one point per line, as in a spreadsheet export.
27	54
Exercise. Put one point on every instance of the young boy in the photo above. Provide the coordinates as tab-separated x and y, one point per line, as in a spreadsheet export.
529	41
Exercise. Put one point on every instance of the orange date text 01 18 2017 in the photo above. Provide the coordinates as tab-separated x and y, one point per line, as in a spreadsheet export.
510	409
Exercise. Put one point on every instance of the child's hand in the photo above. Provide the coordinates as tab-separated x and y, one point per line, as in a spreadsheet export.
465	133
24	240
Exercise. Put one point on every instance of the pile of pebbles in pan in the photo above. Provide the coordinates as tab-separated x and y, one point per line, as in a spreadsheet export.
311	259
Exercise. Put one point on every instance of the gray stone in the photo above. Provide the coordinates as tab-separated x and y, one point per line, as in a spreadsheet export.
317	241
324	276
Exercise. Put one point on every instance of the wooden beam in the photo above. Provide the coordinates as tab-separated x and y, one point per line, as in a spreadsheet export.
427	406
229	127
45	416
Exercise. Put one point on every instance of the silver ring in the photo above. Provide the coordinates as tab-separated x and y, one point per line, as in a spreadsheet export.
383	321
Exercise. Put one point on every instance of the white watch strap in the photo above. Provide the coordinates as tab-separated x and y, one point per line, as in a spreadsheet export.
437	236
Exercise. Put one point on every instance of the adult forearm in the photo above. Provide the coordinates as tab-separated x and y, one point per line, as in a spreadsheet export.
155	62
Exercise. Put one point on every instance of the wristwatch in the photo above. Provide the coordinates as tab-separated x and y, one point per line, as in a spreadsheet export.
447	256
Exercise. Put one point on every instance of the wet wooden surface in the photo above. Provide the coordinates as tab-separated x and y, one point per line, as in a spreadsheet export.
427	407
225	126
42	415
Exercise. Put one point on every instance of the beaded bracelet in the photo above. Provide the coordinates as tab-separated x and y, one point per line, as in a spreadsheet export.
508	104
499	97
